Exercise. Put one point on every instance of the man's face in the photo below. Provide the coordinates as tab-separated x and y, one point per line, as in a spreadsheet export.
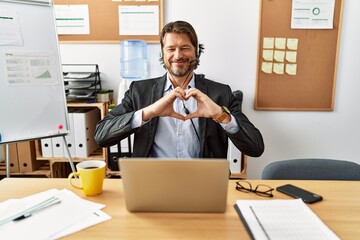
178	52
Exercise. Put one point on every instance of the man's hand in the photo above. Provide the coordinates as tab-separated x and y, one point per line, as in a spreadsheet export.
164	106
206	107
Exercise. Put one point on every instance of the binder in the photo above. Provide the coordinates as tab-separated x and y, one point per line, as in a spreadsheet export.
234	156
13	157
58	147
85	121
70	138
27	157
46	147
119	150
114	155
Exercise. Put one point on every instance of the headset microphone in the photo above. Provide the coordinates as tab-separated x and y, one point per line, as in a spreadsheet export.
191	62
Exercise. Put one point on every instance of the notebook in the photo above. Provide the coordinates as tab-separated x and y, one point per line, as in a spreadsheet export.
174	185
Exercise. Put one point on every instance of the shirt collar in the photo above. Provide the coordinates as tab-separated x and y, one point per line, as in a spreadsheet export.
169	86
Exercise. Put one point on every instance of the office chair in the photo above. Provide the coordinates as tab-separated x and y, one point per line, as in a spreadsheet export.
312	169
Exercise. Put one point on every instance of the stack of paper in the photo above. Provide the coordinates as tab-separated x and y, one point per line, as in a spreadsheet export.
282	219
72	214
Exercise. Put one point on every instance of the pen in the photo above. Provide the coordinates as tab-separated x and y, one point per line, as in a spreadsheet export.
28	212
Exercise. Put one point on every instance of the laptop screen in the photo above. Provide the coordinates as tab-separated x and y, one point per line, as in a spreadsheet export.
175	185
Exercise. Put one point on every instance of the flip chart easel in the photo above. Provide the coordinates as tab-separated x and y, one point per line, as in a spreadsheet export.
31	84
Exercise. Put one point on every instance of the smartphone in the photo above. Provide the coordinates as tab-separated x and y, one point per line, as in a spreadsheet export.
296	192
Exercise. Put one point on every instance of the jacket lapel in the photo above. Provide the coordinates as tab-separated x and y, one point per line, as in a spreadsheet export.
156	93
158	89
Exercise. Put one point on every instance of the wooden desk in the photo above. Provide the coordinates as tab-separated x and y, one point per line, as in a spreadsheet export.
340	210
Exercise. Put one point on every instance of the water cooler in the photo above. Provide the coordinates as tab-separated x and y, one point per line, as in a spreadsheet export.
133	64
133	59
133	67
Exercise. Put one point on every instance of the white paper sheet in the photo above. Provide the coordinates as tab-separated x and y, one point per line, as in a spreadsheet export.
10	29
282	219
72	19
138	20
71	215
315	14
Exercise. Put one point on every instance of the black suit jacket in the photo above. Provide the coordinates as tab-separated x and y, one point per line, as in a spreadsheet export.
214	139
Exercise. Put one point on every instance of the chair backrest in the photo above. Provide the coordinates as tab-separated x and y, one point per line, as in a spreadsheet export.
312	169
239	96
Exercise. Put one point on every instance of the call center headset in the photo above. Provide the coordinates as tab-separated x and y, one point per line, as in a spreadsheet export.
185	28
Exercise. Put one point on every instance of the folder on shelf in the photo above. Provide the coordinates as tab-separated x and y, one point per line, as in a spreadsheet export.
46	147
79	75
119	150
13	157
84	93
58	147
84	123
70	138
80	85
113	157
27	157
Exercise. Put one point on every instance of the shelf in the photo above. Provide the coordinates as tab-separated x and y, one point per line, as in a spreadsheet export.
96	155
43	171
59	166
102	106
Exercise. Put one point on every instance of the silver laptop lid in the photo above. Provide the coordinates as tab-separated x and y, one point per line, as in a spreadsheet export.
175	185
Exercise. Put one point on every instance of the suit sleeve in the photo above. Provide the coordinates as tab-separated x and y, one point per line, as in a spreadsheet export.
248	139
116	125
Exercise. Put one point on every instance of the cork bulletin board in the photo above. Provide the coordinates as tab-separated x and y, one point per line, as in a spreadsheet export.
104	21
308	60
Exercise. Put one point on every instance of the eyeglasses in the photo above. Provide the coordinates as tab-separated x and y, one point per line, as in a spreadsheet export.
261	189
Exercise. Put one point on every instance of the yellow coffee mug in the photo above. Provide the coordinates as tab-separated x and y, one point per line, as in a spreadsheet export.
91	174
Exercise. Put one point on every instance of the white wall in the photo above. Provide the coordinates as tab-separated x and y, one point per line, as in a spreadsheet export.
229	31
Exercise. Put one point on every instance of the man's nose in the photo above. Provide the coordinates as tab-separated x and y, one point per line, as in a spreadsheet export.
177	54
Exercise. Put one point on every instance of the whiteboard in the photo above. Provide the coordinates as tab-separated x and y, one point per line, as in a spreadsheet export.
33	102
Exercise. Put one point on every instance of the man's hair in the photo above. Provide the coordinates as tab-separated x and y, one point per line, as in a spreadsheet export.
180	27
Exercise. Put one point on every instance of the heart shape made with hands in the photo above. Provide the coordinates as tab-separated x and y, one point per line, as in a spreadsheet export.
184	106
195	98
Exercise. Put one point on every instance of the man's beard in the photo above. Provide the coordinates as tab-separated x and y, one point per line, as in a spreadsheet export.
179	72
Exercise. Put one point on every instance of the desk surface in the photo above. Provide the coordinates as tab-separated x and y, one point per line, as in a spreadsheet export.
340	210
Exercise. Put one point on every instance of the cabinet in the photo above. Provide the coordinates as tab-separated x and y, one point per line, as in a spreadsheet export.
59	167
23	162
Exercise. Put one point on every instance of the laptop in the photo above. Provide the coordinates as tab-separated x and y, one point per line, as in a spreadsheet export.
175	185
